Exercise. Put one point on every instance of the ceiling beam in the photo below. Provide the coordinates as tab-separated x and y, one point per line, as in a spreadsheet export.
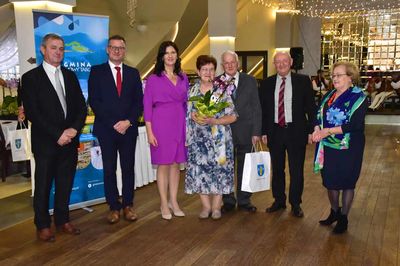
3	2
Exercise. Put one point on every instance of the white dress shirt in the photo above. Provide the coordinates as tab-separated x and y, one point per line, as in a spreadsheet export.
114	71
51	72
236	78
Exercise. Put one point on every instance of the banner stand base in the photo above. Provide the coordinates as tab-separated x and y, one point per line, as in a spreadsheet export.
88	209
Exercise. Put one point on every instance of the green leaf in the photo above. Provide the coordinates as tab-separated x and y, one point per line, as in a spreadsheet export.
195	98
207	98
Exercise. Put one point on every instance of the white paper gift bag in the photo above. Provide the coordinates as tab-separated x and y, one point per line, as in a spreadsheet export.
20	144
256	172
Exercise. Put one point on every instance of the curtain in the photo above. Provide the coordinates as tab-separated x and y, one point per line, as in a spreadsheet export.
8	48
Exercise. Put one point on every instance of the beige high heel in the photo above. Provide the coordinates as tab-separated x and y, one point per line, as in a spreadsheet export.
216	215
166	216
204	214
178	213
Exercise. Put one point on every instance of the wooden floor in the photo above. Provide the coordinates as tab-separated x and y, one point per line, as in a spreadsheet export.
239	238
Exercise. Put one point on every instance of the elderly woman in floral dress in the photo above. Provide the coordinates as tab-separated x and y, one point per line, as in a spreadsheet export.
339	132
210	167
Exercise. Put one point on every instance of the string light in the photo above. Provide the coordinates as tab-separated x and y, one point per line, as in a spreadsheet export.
131	6
281	4
322	8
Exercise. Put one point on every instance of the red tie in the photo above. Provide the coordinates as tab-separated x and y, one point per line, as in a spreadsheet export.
119	80
281	104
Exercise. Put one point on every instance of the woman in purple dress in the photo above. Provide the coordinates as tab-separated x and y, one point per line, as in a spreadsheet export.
165	98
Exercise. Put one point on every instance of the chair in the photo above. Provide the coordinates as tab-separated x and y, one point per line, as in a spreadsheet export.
392	101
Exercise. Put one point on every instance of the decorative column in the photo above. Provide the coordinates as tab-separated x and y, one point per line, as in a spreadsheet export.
221	27
310	39
283	31
300	31
24	26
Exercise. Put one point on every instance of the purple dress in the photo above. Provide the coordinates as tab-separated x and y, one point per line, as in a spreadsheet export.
165	107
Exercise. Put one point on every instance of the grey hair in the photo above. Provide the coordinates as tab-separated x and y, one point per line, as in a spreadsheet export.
52	36
231	53
284	53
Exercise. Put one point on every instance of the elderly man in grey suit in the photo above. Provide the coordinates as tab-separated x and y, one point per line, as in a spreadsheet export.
246	130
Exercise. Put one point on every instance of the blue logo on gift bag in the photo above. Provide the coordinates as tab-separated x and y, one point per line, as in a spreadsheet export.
18	143
260	169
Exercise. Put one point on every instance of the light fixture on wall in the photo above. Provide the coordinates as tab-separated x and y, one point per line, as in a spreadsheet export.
319	8
131	6
141	27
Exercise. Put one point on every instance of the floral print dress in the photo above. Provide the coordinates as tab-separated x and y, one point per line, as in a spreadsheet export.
210	166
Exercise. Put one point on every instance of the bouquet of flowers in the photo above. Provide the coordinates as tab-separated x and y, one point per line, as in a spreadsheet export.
211	103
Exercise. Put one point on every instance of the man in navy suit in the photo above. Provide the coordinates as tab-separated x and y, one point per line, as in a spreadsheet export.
288	114
53	102
115	96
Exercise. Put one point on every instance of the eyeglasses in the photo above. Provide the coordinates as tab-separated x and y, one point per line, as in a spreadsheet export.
337	75
205	70
116	48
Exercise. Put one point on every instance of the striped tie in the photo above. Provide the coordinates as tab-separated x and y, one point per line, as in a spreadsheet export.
281	104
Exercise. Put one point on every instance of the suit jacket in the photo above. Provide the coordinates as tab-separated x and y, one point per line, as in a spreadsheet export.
303	107
247	105
43	108
108	107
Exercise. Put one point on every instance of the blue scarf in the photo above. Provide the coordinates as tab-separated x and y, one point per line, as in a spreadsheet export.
337	114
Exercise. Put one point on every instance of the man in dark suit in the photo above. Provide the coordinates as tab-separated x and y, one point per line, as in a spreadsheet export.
115	95
54	104
288	112
246	130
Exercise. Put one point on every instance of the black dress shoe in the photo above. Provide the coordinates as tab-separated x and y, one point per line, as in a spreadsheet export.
276	207
297	211
248	207
227	208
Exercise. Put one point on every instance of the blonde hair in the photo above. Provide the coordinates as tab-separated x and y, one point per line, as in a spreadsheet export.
351	70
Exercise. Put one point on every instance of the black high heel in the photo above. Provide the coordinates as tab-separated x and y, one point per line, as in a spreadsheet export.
333	217
341	225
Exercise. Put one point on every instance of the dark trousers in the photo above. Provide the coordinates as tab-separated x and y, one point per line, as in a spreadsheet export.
243	197
282	142
125	145
61	168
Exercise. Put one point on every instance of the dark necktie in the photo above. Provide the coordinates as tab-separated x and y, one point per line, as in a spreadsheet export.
281	104
119	80
234	91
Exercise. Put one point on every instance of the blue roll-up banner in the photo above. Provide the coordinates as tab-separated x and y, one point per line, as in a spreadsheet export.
85	38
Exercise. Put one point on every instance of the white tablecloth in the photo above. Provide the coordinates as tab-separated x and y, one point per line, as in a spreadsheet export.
6	126
145	173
